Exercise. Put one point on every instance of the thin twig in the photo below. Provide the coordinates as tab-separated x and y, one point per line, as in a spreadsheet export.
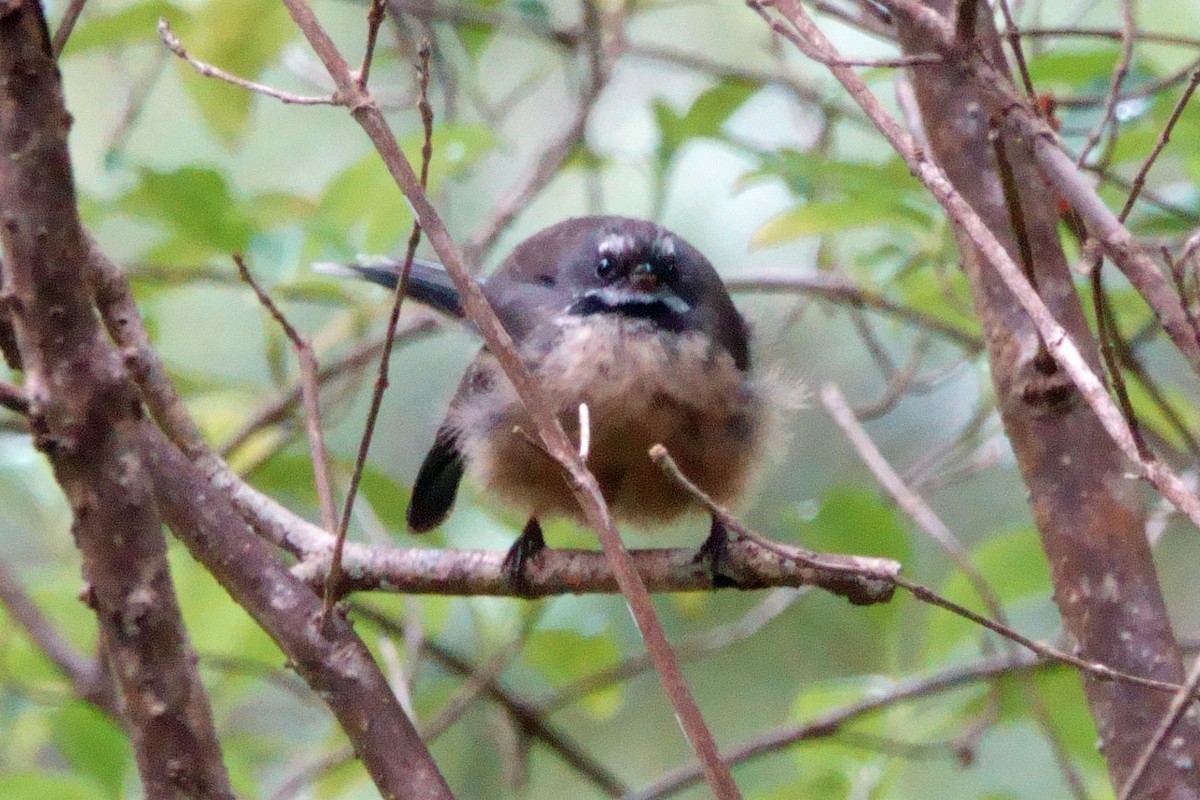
1139	180
375	16
869	569
1128	28
872	569
828	60
12	398
1013	33
702	644
546	423
1179	705
312	406
830	723
172	43
528	717
1107	333
381	377
838	288
301	777
281	408
65	26
89	679
133	106
1109	33
927	520
476	684
1057	340
517	198
1149	89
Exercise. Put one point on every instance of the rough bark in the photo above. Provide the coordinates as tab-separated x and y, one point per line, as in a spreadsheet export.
85	413
118	471
1088	514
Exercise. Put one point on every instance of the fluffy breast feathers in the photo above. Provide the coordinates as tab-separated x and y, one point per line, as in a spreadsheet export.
642	386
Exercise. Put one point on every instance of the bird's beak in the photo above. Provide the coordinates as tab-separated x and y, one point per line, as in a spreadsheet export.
643	280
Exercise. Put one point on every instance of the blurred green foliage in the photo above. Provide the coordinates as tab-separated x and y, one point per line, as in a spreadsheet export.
176	171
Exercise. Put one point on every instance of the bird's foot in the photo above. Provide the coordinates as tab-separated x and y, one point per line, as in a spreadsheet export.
524	549
715	553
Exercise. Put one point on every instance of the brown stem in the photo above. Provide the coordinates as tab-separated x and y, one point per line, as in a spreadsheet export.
546	423
86	415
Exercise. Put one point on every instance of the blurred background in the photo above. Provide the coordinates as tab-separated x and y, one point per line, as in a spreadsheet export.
685	111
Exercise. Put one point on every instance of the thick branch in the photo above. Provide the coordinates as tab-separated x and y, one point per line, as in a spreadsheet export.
997	95
860	579
85	414
548	427
331	659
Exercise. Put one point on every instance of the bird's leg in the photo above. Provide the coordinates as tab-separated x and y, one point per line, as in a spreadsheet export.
715	552
524	549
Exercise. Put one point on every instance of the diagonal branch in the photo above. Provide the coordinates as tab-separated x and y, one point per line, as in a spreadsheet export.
546	423
89	679
1060	169
85	415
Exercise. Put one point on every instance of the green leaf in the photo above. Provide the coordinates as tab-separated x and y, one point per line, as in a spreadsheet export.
196	205
44	786
809	172
137	23
389	499
1073	68
562	654
1015	568
1062	695
475	37
819	218
241	37
363	205
703	118
946	297
275	209
851	519
92	744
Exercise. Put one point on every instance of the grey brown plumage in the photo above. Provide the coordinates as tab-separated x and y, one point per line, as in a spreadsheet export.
620	314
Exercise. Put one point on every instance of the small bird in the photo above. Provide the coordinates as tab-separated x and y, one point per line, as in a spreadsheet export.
628	318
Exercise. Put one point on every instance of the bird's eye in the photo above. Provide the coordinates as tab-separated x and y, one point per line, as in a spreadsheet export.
545	280
605	268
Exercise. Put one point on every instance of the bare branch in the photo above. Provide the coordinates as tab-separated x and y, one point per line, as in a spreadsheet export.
528	718
860	579
1044	145
85	416
927	520
89	679
832	722
1182	701
547	425
381	376
66	25
12	398
1128	31
1139	180
172	43
312	406
1060	344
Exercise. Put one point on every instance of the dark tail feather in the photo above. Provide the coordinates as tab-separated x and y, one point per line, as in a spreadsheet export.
428	283
436	485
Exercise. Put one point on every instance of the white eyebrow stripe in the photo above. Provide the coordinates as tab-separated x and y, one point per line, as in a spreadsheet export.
666	246
615	243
